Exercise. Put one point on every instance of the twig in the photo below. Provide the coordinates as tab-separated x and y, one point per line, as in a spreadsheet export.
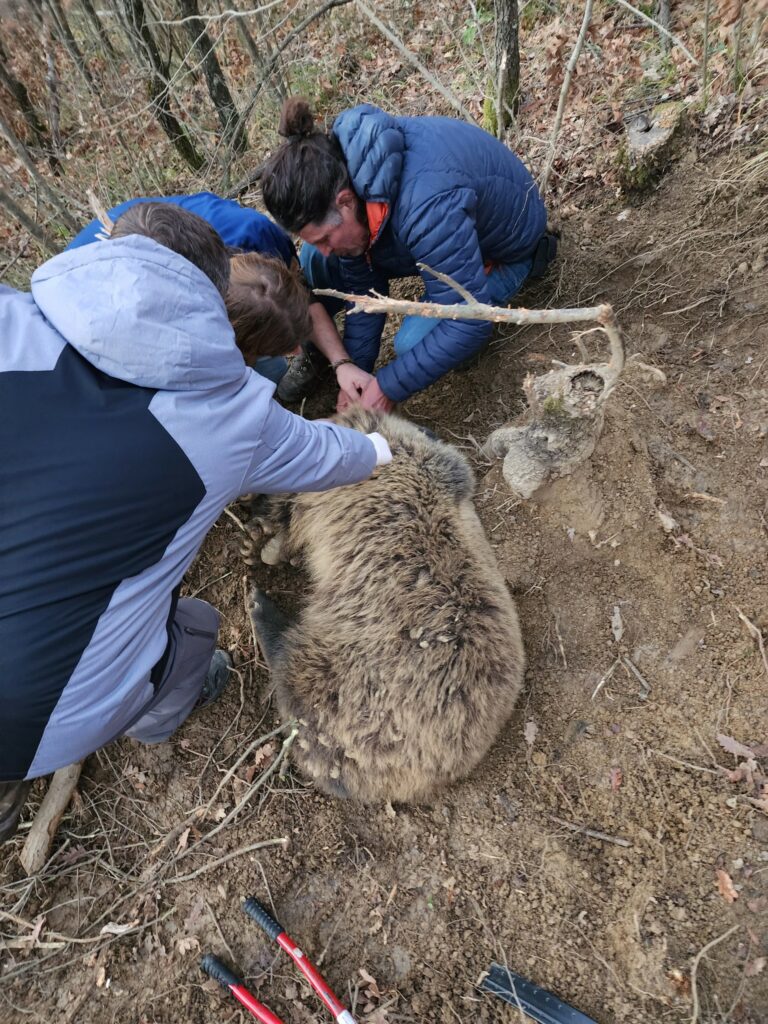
564	95
438	86
282	841
636	673
605	677
685	764
447	279
705	60
756	634
695	968
235	519
591	832
660	27
38	844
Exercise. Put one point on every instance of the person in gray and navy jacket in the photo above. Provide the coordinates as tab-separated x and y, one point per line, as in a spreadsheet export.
379	195
130	420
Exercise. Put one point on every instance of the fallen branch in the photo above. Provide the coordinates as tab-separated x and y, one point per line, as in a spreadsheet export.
603	836
660	27
413	59
695	968
37	847
564	95
374	303
756	635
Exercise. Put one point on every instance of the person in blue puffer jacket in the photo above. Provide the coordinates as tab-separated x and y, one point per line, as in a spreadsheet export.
130	420
379	195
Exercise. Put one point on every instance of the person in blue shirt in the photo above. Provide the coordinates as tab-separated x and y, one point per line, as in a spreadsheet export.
377	197
244	230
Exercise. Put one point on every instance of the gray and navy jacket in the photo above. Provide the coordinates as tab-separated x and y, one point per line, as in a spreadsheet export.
441	192
128	421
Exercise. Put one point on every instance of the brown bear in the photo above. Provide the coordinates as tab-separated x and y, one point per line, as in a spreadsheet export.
406	658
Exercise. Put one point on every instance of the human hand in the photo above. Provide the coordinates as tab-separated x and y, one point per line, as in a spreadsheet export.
352	381
374	398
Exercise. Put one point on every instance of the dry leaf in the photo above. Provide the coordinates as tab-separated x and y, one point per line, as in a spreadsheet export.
756	966
262	755
187	943
668	523
617	777
725	886
101	977
530	733
372	988
733	746
113	928
617	626
183	839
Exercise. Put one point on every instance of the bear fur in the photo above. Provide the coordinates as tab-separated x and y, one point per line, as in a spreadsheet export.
406	659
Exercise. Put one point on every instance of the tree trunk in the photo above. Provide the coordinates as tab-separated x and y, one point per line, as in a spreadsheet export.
64	32
19	92
22	153
98	27
158	85
10	204
218	89
507	63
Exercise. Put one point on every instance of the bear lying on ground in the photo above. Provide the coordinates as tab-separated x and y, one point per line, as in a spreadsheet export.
406	658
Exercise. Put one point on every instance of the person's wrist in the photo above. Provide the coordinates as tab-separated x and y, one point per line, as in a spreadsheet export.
383	452
346	361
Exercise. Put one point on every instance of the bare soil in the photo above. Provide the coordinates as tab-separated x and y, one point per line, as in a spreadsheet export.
629	577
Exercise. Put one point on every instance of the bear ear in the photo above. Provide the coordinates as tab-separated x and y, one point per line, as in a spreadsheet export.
452	471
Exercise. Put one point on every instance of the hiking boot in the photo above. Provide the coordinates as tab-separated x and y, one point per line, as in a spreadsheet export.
219	672
296	382
13	796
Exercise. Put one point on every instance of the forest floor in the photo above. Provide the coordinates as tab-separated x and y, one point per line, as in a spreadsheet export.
641	583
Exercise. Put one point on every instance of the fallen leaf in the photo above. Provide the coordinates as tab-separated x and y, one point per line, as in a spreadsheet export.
725	886
617	777
667	522
187	943
530	733
756	966
733	746
101	977
113	928
183	839
617	626
372	988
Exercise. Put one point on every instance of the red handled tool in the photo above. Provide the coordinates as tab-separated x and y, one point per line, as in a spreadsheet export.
229	980
275	931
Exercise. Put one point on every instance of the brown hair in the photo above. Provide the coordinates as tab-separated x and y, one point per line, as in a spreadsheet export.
268	306
185	233
302	178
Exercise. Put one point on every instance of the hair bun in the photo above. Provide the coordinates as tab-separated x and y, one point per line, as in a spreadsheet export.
296	119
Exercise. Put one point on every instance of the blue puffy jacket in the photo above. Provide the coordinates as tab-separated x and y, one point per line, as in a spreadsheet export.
238	226
456	199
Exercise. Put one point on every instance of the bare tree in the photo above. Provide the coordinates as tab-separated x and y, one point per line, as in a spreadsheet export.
232	128
11	206
18	90
507	50
63	30
158	84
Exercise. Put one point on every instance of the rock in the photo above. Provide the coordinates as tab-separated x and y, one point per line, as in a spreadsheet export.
649	145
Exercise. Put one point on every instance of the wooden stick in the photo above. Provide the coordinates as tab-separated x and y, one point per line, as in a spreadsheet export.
38	844
564	95
437	85
591	832
695	968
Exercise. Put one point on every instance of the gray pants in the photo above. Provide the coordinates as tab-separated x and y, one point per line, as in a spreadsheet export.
192	643
190	649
